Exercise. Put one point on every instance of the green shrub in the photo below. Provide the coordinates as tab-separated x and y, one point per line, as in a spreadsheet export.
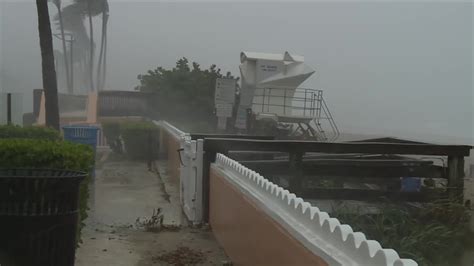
436	234
112	134
140	139
29	133
111	130
33	153
184	94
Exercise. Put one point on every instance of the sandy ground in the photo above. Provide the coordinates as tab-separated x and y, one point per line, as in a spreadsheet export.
124	191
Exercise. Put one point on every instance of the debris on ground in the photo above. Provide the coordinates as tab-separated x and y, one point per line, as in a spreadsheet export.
170	228
152	224
181	256
133	244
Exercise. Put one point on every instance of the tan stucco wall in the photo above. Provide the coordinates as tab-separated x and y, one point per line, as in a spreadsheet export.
170	144
248	235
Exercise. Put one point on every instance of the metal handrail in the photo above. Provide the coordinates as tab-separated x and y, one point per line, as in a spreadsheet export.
334	127
308	99
313	105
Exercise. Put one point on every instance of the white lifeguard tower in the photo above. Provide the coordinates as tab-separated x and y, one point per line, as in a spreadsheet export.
269	87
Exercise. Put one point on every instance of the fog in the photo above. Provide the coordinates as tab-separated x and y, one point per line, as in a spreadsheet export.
393	68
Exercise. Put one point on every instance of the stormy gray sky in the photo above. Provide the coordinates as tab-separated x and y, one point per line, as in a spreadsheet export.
398	68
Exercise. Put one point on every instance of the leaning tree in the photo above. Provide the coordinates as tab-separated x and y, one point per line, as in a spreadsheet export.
50	85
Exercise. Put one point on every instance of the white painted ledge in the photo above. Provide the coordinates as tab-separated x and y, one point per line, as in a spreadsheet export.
326	237
171	129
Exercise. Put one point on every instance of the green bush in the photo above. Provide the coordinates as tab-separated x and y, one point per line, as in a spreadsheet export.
33	153
435	234
111	130
140	139
184	94
29	133
112	134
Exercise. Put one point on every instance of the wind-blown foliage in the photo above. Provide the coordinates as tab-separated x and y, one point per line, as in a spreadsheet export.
184	94
57	3
102	66
73	22
73	17
436	234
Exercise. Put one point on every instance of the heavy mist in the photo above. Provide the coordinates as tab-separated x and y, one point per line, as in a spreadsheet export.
392	68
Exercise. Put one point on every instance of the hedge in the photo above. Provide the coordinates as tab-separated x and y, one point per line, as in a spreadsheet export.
141	139
111	130
112	134
34	153
29	133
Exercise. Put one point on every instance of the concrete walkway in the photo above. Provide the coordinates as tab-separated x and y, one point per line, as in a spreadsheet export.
124	191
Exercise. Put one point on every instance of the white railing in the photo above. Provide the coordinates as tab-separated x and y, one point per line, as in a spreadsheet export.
326	237
170	129
191	178
101	139
190	172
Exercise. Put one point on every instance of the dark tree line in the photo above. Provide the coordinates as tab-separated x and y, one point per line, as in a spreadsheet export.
183	94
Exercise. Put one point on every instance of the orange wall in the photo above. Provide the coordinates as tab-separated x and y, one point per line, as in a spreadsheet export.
248	235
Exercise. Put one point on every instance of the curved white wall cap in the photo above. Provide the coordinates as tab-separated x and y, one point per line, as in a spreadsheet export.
171	129
326	237
244	56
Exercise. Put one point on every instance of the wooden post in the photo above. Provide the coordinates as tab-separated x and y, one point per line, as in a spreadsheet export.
296	178
456	178
460	184
9	108
208	158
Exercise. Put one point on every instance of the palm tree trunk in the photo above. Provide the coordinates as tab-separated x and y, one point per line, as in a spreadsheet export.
91	52
101	54
71	59
103	47
85	70
104	71
50	84
63	38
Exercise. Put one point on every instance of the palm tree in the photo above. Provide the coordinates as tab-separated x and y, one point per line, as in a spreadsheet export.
101	68
57	3
91	49
73	20
50	85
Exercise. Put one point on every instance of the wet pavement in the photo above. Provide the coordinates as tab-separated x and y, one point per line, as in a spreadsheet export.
124	191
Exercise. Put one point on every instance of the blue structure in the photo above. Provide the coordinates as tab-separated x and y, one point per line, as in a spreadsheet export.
411	184
84	135
81	134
